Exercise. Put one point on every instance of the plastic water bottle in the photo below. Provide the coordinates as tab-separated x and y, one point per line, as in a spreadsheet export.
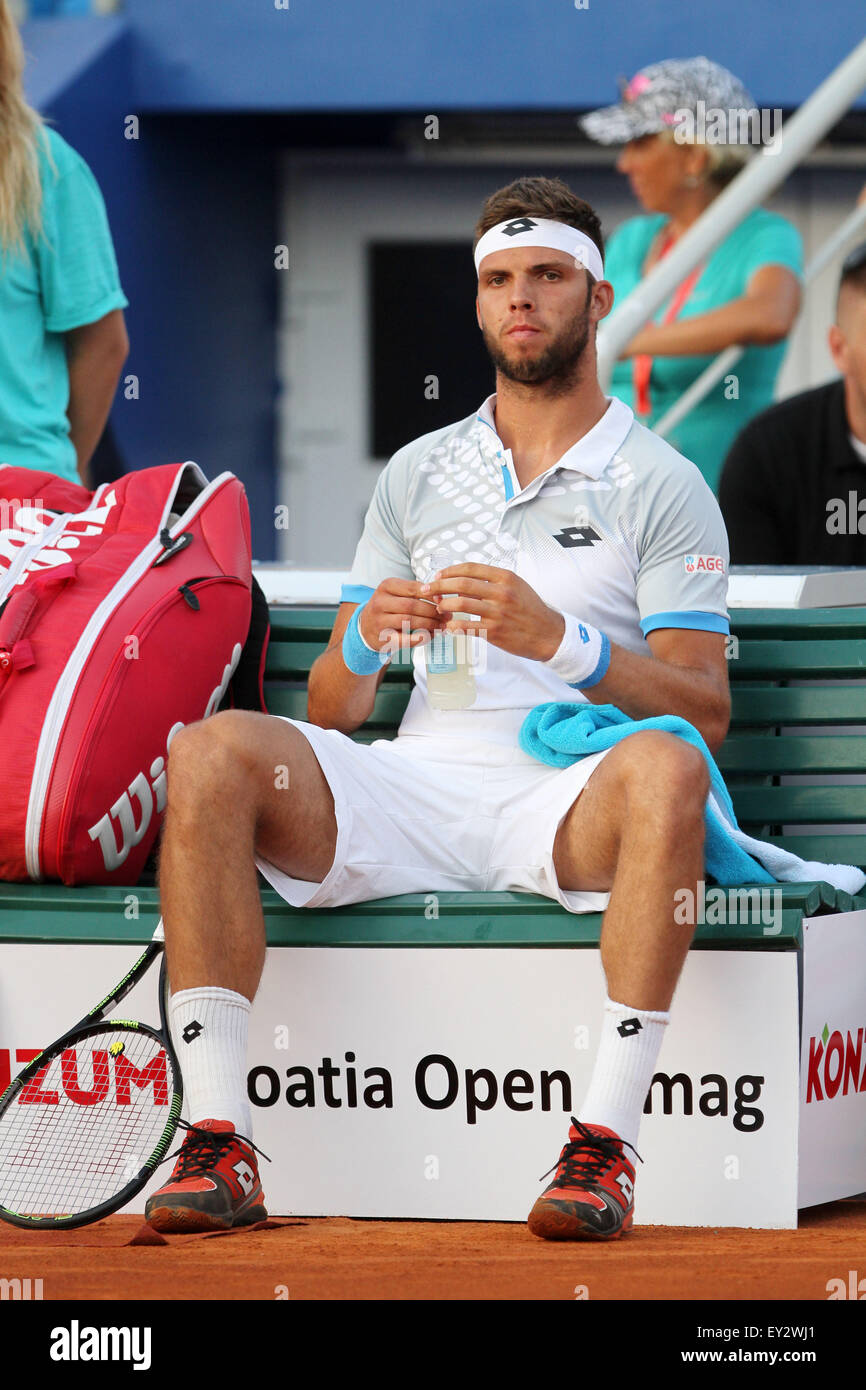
450	682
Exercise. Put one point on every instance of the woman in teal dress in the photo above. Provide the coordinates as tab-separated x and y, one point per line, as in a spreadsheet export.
746	292
62	335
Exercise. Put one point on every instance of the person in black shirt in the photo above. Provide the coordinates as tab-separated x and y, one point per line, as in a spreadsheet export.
793	487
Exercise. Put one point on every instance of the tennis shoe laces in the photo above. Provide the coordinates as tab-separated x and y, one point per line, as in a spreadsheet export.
214	1184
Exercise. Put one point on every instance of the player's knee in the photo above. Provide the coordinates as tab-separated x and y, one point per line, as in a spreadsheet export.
214	756
665	772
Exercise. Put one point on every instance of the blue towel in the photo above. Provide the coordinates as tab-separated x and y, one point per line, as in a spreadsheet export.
562	733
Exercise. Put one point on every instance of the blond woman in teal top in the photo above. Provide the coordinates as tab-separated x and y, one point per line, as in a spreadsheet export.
63	339
747	292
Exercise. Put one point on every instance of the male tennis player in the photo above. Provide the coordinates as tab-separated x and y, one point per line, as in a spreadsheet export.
613	592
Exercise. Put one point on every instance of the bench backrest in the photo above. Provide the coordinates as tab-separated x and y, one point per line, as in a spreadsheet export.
795	757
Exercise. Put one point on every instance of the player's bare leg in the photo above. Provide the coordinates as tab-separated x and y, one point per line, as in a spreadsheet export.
239	783
637	830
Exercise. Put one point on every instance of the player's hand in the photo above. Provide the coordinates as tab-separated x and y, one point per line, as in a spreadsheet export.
511	615
395	616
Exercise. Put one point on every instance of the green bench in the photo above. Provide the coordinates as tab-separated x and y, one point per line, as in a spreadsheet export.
775	656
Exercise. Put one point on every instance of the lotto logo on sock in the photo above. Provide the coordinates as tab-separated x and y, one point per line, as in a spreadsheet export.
629	1027
191	1031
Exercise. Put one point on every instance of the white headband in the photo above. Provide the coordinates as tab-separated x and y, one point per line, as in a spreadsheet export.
536	231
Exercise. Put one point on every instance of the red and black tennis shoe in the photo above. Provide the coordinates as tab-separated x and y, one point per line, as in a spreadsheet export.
215	1183
592	1193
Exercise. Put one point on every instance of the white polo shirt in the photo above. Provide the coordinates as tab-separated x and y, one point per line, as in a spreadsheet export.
622	532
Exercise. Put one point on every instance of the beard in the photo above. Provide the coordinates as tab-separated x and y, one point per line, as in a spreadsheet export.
558	366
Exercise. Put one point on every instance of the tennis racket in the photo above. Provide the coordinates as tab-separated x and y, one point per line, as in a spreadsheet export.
85	1124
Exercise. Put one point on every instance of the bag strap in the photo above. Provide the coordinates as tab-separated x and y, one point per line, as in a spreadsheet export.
19	614
246	688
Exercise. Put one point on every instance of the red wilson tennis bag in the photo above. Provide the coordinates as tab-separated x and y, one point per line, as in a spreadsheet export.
124	615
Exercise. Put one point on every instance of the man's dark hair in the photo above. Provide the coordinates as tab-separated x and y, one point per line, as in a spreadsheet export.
854	270
539	197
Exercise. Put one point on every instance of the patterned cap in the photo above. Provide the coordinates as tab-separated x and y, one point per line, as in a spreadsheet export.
651	100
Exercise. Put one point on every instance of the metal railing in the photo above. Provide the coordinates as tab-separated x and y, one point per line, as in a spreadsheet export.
721	365
761	176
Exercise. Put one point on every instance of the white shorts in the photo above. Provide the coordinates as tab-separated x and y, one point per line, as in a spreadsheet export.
423	814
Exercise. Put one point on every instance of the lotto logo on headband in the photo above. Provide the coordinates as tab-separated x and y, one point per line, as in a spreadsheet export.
522	224
704	564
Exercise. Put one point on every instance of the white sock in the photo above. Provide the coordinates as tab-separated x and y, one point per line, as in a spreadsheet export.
209	1031
624	1069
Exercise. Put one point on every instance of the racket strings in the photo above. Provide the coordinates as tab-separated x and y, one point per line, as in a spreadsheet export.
81	1130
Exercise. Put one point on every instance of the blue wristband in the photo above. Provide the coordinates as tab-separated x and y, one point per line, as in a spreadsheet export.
601	668
583	655
360	658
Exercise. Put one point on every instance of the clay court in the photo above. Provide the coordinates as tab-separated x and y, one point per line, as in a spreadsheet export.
343	1259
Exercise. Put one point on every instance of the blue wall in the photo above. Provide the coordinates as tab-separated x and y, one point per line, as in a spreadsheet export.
447	54
196	251
191	205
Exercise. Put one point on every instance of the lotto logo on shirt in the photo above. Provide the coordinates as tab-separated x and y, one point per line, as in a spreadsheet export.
702	564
